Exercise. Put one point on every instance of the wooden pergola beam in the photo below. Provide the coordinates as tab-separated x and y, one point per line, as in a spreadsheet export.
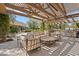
70	16
51	9
73	15
63	8
31	14
60	9
42	10
53	6
21	14
57	7
25	11
2	8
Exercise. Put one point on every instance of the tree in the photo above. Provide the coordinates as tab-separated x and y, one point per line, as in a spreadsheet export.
4	25
42	26
14	29
62	26
55	25
77	24
33	25
49	26
12	18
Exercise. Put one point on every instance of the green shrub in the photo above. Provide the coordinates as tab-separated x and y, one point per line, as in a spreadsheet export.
14	29
4	25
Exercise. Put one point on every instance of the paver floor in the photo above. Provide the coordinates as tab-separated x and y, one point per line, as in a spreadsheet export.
65	47
11	49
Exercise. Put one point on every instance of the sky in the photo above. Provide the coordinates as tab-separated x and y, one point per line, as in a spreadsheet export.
22	19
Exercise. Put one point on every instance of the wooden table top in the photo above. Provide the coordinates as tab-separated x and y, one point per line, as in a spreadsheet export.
49	39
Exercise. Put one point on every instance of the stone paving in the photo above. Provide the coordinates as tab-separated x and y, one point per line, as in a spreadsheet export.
65	47
11	49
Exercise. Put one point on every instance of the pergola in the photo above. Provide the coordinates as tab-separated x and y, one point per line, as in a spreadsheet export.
54	12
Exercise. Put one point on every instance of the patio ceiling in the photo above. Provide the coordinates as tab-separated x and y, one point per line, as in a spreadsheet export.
56	12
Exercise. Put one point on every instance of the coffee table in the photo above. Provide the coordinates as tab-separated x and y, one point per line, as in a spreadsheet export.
49	40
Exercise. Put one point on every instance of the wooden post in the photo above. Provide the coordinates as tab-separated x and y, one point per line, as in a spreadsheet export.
26	41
